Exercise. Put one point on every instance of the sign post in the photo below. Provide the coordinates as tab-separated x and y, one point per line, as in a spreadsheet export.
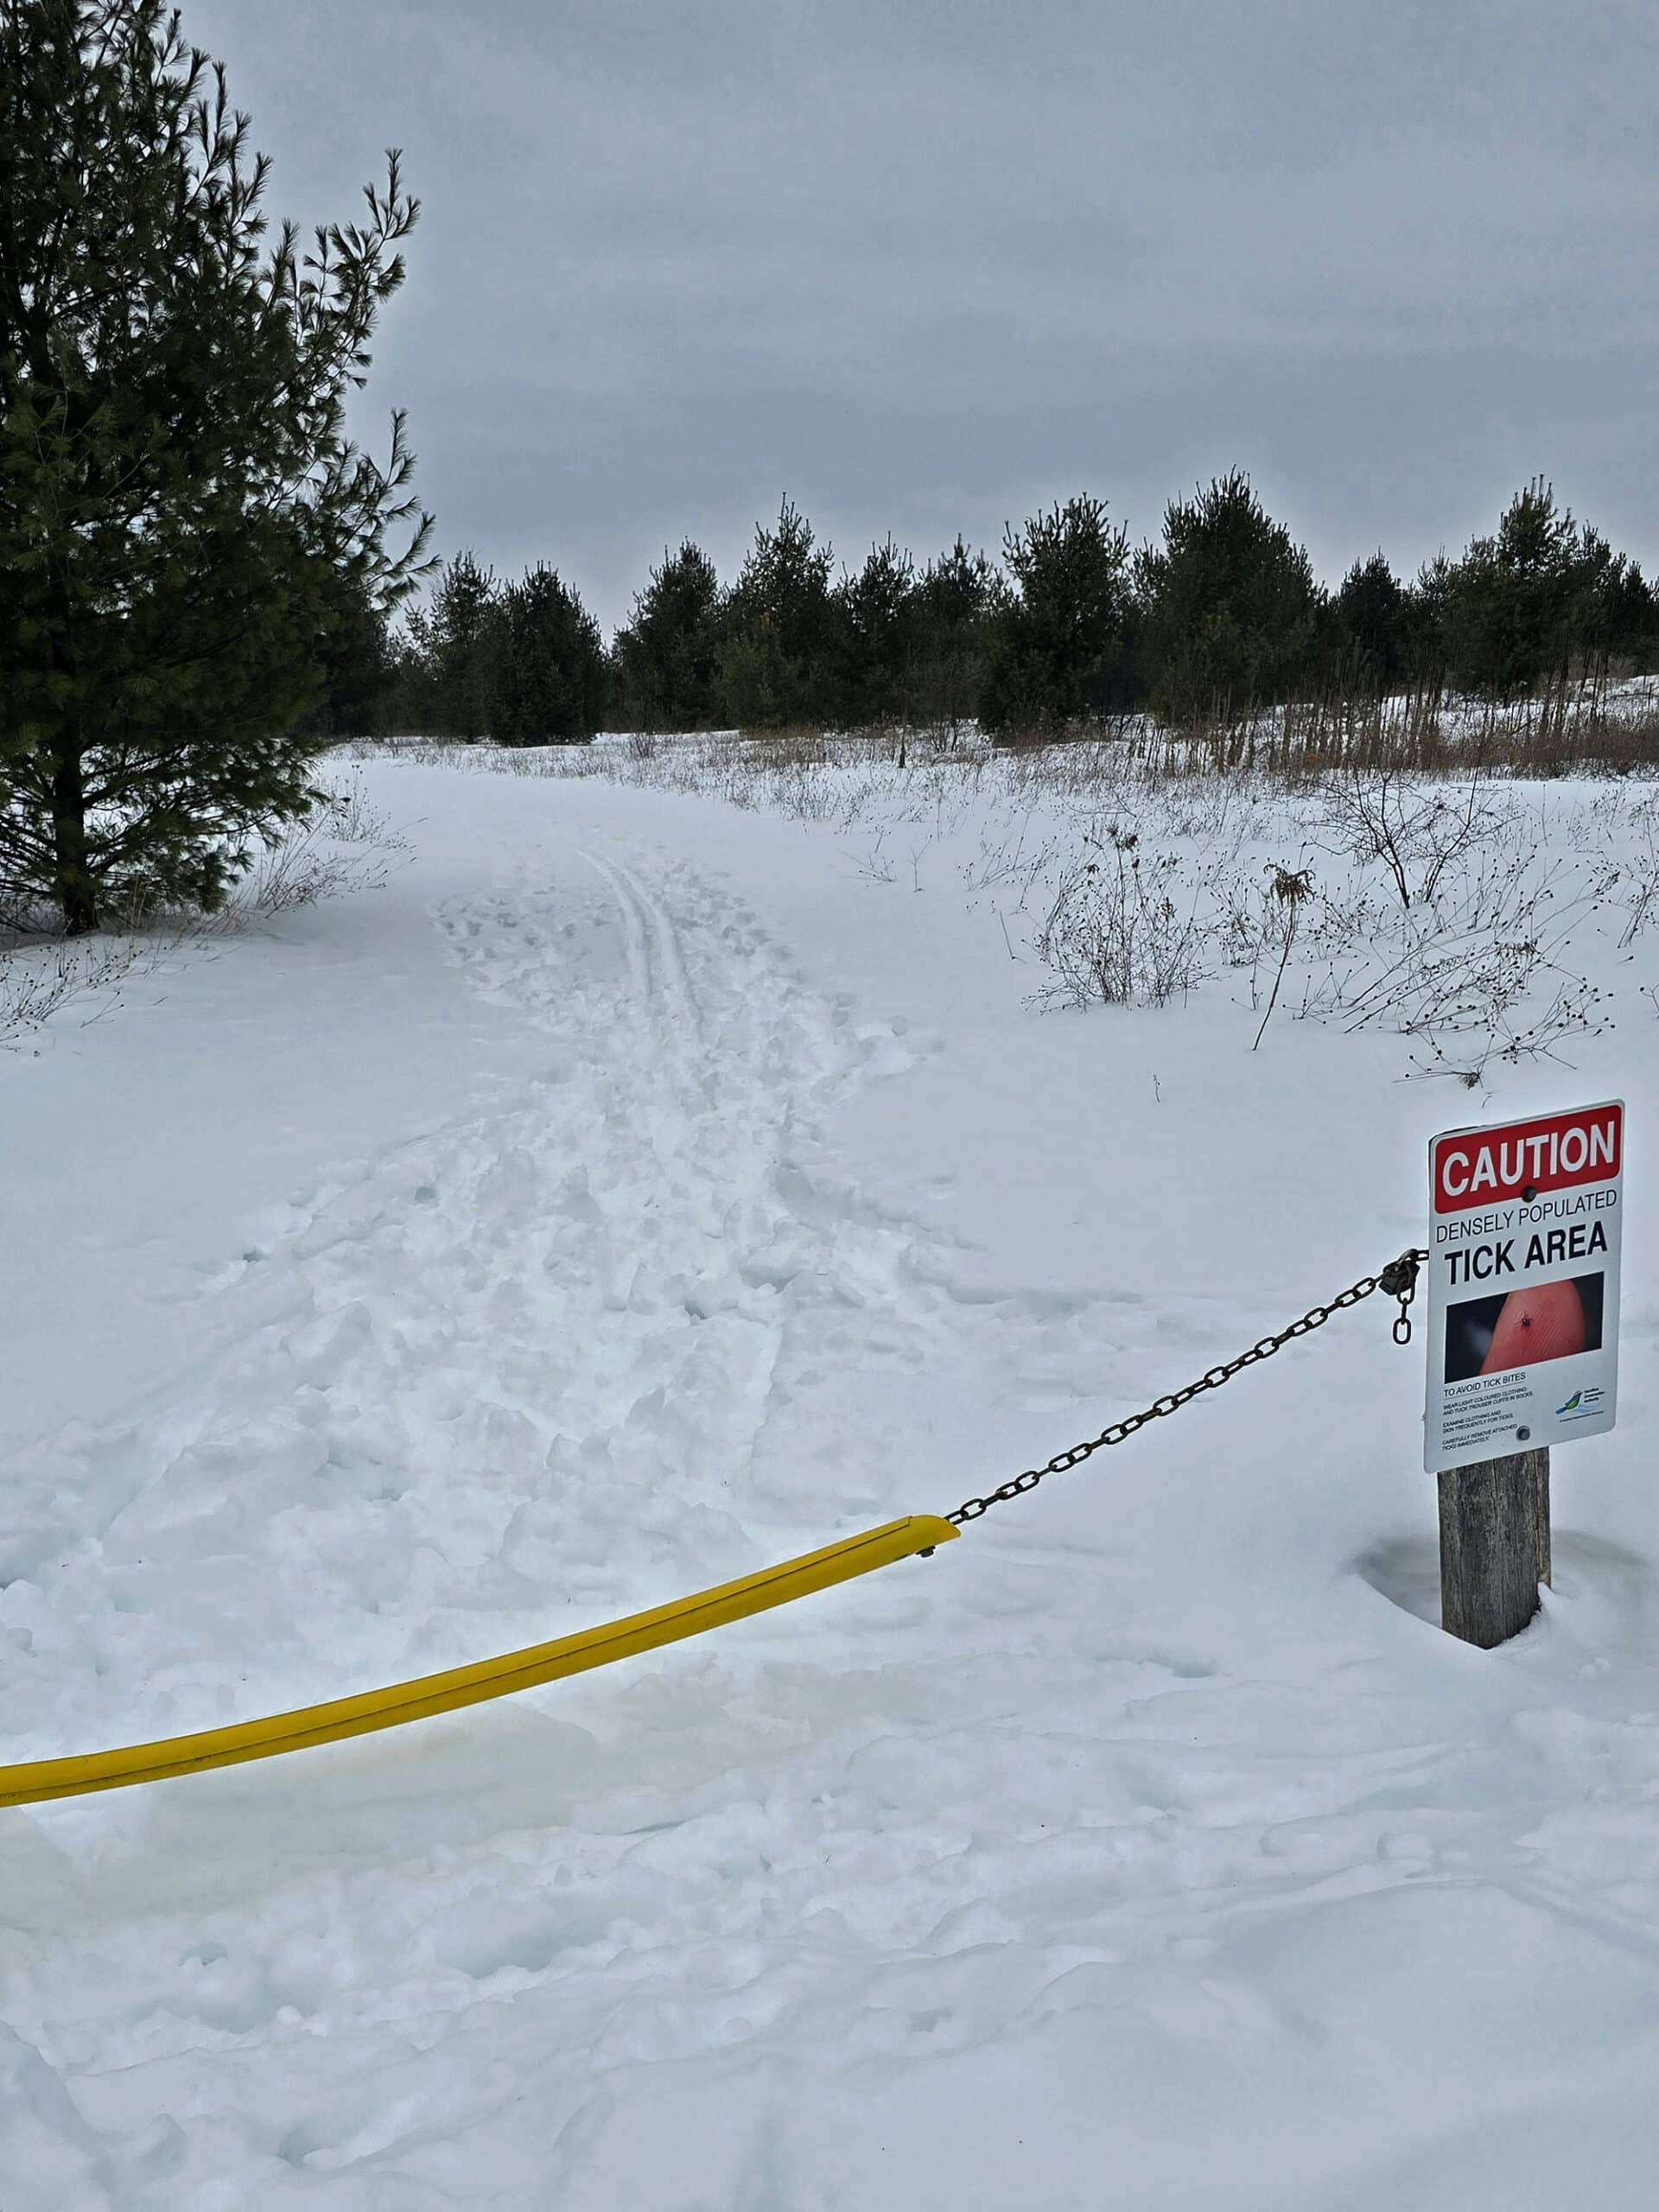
1523	1325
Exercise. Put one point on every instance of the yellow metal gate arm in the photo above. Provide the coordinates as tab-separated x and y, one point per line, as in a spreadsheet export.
516	1670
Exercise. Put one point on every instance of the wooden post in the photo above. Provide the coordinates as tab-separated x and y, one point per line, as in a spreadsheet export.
1494	1544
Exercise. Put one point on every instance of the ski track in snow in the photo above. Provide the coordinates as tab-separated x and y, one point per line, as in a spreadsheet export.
605	1338
576	1294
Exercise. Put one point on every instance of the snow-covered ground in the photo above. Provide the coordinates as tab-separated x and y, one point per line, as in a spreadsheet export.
640	1188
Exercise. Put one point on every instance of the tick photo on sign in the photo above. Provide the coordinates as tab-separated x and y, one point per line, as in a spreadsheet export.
1525	1229
1547	1320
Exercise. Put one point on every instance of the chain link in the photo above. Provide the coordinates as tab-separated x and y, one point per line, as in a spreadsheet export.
1398	1281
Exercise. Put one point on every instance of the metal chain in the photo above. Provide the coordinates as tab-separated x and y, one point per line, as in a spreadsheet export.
1398	1279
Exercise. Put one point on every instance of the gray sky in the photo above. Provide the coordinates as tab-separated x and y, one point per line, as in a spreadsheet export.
927	266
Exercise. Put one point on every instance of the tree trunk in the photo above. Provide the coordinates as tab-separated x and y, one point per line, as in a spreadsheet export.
73	887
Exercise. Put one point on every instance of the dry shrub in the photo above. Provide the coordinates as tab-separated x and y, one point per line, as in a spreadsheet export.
1117	933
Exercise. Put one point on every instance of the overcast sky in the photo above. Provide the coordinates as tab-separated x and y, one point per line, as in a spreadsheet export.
926	267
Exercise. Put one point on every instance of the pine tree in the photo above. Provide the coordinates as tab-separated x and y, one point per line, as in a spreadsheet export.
1056	643
453	653
178	499
357	665
1428	599
550	673
1612	614
874	617
1230	613
953	603
775	653
1510	600
667	655
1370	627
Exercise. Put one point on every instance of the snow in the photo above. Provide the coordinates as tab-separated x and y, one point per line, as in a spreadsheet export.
639	1189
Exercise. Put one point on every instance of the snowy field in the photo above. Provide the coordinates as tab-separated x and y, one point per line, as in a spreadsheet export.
672	1169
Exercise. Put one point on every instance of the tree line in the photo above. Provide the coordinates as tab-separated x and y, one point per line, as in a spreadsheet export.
1222	616
203	579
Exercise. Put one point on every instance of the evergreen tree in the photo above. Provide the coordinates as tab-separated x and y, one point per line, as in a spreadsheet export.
178	499
1509	613
667	655
875	622
1230	613
1056	646
550	672
775	656
356	664
953	603
453	653
1428	601
1371	627
1611	615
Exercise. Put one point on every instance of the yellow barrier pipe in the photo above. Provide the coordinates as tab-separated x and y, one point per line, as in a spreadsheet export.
44	1779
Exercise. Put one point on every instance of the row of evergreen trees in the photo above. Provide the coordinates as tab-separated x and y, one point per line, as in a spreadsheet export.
1222	616
199	568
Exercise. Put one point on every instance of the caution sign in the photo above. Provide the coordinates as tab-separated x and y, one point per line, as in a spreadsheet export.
1523	1284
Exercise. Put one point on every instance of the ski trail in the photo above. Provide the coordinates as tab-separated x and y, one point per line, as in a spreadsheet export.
618	1332
649	917
527	1363
657	963
634	924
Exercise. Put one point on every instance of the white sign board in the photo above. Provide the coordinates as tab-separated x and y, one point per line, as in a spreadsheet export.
1524	1222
